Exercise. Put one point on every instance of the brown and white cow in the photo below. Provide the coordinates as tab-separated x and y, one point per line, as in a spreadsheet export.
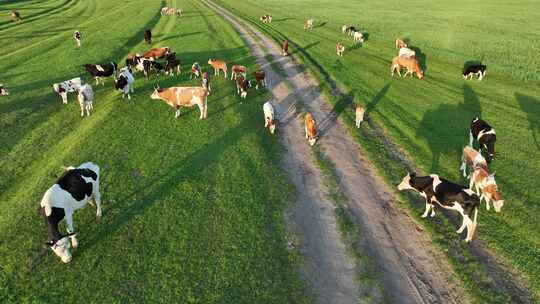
360	111
400	44
178	97
3	90
311	129
340	49
285	48
484	182
218	65
242	86
15	16
473	159
411	64
269	123
157	53
238	70
266	18
308	24
260	78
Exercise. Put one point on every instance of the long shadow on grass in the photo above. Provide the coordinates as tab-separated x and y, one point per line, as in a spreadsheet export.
376	99
531	106
421	57
445	128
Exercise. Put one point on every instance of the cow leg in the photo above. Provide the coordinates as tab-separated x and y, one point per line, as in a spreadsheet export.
464	168
305	129
426	212
177	113
470	139
473	224
70	229
463	224
97	199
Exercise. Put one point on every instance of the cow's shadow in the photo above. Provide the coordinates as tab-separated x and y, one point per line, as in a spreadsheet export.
421	57
445	129
531	106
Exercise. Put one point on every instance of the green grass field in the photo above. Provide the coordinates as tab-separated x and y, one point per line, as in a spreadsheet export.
429	119
192	209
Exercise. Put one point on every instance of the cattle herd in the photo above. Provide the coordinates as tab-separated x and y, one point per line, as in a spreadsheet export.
80	185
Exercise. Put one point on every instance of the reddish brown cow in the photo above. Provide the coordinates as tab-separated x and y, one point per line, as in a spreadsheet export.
311	129
285	48
157	53
178	97
411	64
237	70
260	78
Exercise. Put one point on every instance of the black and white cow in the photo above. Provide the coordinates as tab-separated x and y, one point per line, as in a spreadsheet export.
448	195
71	192
148	36
475	69
104	70
172	64
77	36
485	135
124	82
3	90
68	86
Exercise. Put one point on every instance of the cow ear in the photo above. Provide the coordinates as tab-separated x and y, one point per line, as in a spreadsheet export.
412	174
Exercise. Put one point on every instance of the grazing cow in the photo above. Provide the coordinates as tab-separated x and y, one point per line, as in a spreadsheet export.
71	192
151	65
68	86
266	18
360	111
268	110
125	82
157	53
148	36
238	70
77	36
482	181
350	30
308	24
285	48
406	53
448	195
344	28
178	97
242	85
260	78
485	135
340	49
411	64
164	10
3	90
105	70
218	65
195	70
86	99
311	129
400	44
15	16
178	12
170	11
172	63
476	69
206	82
358	37
472	158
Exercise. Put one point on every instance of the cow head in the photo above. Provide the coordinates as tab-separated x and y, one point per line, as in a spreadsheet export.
62	248
210	61
155	94
406	182
271	125
492	191
3	90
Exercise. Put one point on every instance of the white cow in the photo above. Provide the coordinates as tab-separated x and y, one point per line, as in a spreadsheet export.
86	98
269	123
71	192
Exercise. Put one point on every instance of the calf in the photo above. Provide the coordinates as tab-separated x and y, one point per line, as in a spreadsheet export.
266	18
179	12
68	86
268	110
311	129
472	158
71	192
477	69
15	16
3	90
340	49
406	53
77	36
178	97
360	111
238	70
125	82
485	135
358	37
157	53
218	65
164	10
242	85
260	78
308	24
400	44
86	98
411	64
148	36
172	64
285	48
206	82
105	70
482	181
195	70
447	195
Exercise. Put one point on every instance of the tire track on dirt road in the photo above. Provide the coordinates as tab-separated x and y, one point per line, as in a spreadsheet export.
410	268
